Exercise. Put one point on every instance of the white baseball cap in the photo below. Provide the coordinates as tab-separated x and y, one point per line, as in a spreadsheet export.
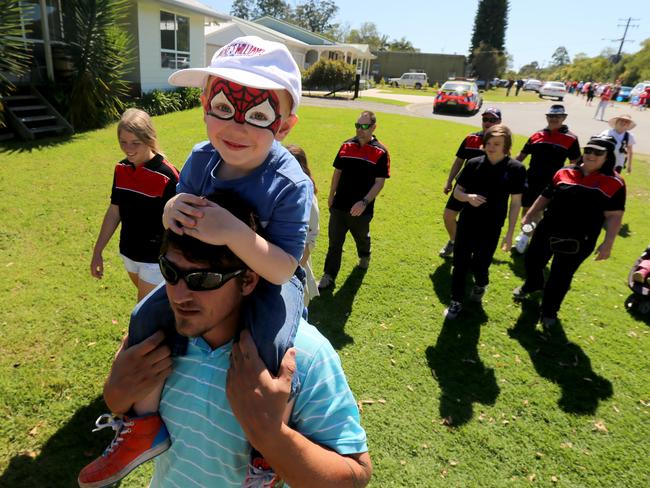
250	61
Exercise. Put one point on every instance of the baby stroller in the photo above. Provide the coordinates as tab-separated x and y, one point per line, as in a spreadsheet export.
639	282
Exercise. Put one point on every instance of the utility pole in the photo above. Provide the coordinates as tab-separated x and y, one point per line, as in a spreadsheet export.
627	25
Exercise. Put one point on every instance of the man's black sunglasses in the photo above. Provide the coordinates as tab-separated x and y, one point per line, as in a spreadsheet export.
196	279
490	119
362	126
593	150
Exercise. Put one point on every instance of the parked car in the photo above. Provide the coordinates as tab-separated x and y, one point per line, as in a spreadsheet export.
624	94
532	85
458	95
410	80
553	89
637	90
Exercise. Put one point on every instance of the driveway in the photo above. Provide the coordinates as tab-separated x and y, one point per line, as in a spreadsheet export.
522	117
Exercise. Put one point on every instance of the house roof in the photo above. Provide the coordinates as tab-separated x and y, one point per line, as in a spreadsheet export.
295	32
197	6
237	27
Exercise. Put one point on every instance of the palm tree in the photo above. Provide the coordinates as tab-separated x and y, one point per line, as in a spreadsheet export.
15	58
101	53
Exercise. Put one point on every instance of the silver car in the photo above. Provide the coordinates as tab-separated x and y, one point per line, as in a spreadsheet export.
553	89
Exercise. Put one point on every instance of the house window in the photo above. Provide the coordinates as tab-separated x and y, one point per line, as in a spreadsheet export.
31	19
174	41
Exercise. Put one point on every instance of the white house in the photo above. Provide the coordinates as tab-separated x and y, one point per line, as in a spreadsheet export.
169	35
305	46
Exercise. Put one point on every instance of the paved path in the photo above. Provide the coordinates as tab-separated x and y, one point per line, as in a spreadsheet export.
522	117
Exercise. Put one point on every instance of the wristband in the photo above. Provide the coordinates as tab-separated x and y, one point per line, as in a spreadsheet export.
365	201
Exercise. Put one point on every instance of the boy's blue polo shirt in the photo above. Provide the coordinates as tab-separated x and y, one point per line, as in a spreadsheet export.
278	190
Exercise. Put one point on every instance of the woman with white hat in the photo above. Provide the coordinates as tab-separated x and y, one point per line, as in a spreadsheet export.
620	131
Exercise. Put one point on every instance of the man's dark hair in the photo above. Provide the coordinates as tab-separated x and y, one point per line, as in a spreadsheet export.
220	257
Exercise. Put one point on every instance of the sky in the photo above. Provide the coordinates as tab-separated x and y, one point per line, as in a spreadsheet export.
535	28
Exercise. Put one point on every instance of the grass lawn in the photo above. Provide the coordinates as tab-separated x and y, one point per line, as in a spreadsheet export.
499	95
481	402
387	101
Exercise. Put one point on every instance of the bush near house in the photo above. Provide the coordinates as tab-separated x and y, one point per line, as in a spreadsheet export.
332	75
159	102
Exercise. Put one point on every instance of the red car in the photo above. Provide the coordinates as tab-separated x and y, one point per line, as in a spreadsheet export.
458	95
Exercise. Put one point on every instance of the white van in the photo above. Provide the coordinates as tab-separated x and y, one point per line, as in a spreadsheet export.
410	80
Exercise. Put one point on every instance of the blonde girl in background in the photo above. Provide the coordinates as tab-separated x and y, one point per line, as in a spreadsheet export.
142	183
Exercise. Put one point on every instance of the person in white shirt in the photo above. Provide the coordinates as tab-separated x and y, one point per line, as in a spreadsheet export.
621	125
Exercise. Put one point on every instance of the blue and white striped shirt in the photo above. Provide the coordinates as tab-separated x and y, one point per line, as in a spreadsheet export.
209	447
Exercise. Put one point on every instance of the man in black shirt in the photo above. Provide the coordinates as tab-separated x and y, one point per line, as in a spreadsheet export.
360	170
549	149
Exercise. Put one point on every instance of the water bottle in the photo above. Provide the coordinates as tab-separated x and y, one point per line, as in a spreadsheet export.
528	228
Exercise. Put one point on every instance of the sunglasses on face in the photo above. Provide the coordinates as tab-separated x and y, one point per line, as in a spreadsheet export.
490	119
554	116
594	151
196	280
362	126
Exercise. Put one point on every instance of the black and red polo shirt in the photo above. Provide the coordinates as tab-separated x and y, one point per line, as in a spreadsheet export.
141	193
471	147
579	202
359	166
549	150
496	182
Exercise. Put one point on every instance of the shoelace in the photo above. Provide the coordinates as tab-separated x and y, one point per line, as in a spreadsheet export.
259	478
117	424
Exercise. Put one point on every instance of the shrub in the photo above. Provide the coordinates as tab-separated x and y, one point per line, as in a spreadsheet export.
190	97
159	102
332	75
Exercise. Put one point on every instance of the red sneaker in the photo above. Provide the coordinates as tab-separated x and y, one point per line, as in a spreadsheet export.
137	439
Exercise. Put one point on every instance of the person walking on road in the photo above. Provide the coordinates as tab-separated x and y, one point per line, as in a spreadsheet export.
605	97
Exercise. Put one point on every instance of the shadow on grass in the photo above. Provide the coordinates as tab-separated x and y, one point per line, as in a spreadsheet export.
441	281
456	366
624	231
11	147
638	307
330	311
517	265
562	362
61	458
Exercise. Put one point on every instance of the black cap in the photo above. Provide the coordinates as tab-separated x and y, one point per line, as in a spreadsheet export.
602	142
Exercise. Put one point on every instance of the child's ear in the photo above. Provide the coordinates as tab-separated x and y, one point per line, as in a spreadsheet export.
286	126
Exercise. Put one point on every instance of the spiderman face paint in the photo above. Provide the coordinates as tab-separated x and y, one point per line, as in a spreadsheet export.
228	100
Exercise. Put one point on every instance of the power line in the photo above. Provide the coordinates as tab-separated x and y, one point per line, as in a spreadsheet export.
628	23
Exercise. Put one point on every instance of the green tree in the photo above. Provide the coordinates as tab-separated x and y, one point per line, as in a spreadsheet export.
487	62
368	33
15	60
636	67
403	45
560	57
316	15
242	8
332	75
490	25
102	54
273	8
